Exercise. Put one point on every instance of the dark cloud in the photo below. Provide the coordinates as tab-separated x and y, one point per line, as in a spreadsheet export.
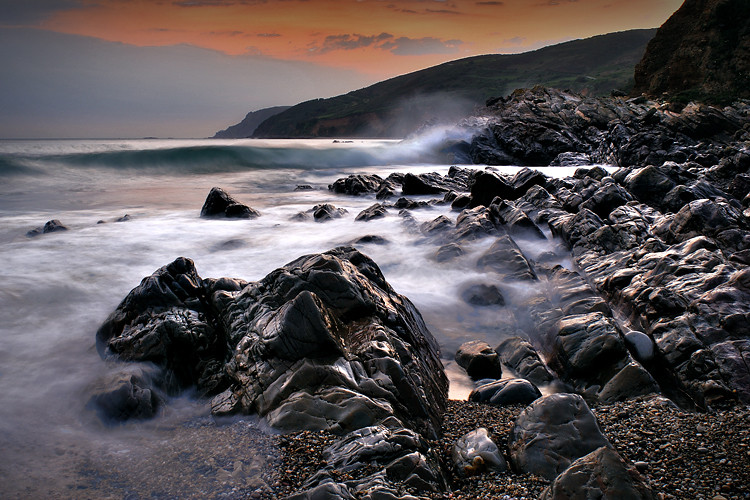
442	11
268	35
404	46
553	3
224	3
351	42
491	3
29	12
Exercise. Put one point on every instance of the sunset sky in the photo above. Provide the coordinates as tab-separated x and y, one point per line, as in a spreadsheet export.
132	68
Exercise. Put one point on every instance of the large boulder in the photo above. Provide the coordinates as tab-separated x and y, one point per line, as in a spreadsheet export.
600	475
323	343
553	432
219	203
356	184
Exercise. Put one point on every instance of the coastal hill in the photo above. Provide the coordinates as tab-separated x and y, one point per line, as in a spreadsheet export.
396	107
247	126
702	52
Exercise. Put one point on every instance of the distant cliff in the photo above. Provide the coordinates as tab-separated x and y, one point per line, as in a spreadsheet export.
247	127
700	53
448	92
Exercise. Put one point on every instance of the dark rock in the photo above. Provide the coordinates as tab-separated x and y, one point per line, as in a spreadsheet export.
482	295
553	432
506	259
406	203
325	212
356	184
475	453
700	52
51	226
220	204
474	223
438	225
370	239
479	360
521	356
487	186
607	198
124	218
449	252
375	211
293	341
601	474
462	201
506	392
516	222
649	185
303	187
129	394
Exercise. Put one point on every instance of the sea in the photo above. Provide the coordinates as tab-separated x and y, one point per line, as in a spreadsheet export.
57	288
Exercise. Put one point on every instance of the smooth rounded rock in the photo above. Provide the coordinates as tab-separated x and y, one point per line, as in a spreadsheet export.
475	453
506	392
479	360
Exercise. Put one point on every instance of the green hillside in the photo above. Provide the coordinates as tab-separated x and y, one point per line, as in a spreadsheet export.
396	107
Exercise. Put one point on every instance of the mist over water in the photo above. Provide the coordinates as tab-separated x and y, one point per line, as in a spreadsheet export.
59	287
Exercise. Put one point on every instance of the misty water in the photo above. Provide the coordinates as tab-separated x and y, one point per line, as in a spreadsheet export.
58	288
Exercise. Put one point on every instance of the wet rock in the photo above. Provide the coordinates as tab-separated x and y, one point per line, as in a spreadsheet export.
326	212
649	185
607	198
356	184
506	392
602	474
408	204
631	381
427	184
449	252
375	211
479	360
436	226
475	453
521	356
474	223
515	221
553	432
131	393
482	295
220	204
505	259
372	239
487	186
323	343
51	226
303	187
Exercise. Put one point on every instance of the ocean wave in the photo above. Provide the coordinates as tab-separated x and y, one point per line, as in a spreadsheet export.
205	159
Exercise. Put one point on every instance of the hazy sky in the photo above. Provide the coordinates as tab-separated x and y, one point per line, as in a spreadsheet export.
186	68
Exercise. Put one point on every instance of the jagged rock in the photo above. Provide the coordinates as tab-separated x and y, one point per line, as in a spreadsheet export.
326	212
326	330
356	184
607	198
602	474
505	259
515	221
474	223
220	204
483	295
436	226
479	360
427	184
406	203
551	433
630	382
51	226
375	211
521	356
475	453
506	392
487	186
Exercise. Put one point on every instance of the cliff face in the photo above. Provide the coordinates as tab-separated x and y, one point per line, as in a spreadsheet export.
702	52
247	126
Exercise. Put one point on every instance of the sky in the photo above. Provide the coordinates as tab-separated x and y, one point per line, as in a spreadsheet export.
187	68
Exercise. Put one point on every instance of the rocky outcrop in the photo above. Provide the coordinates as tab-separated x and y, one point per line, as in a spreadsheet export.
219	203
701	52
542	126
322	343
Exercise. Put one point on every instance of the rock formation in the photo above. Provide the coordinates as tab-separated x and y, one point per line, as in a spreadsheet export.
701	52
